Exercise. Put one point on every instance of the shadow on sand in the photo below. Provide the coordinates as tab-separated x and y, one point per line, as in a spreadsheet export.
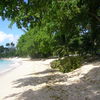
88	88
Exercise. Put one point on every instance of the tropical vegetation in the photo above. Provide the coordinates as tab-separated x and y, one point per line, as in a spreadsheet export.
55	27
8	51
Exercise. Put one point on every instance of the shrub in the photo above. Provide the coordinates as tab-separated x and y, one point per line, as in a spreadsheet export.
67	64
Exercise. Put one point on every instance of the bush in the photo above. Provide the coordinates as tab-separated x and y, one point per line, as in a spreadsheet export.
67	64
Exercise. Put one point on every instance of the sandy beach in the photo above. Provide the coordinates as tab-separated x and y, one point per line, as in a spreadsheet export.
35	80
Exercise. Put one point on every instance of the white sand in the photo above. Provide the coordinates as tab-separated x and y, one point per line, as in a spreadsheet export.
35	80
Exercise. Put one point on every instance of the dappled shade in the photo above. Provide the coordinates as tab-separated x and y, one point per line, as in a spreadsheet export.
88	88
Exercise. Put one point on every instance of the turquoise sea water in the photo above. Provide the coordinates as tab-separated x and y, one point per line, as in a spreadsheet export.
5	64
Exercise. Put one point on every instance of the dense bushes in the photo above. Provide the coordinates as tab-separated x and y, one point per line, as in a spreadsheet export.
67	64
35	43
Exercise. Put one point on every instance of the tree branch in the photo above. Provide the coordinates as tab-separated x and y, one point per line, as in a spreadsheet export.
97	17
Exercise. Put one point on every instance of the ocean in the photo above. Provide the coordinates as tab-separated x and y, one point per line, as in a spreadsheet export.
4	64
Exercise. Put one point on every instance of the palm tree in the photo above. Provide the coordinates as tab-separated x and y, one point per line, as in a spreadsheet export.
2	49
8	45
12	44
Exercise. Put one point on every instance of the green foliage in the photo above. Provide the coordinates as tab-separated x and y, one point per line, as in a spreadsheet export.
67	64
55	27
1	49
8	51
35	43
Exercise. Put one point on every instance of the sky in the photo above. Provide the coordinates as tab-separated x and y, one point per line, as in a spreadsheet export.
8	35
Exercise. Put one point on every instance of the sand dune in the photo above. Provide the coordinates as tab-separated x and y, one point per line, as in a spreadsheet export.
35	80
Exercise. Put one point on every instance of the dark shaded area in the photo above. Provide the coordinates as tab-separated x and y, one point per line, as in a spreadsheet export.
30	95
48	71
36	59
34	81
15	94
90	59
87	89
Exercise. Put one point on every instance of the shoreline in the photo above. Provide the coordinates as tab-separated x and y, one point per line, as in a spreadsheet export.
15	63
35	80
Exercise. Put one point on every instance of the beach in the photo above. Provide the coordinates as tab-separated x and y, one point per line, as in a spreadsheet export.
35	80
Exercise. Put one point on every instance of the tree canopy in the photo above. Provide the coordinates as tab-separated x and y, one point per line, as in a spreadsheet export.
55	27
9	50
